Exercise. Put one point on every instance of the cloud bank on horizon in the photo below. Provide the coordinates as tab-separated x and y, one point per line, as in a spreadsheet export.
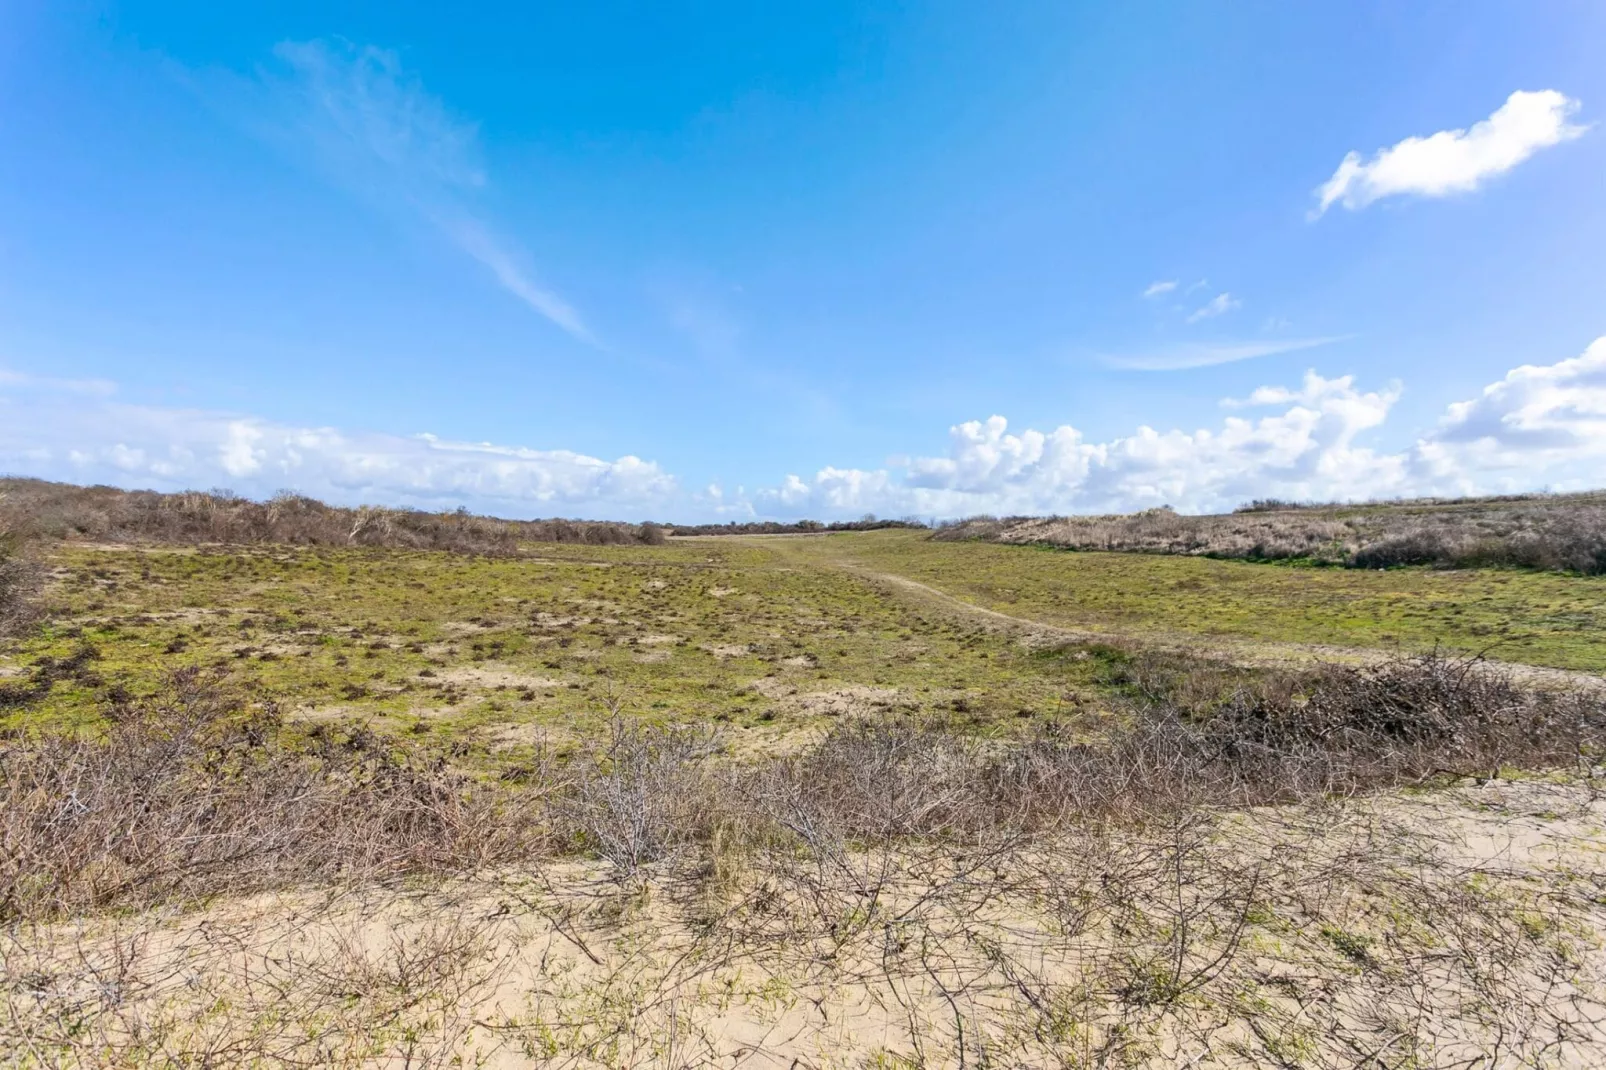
1538	424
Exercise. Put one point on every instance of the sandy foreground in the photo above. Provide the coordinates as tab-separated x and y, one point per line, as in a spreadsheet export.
1458	927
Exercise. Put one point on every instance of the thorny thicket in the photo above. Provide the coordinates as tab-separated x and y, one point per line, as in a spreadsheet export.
1053	900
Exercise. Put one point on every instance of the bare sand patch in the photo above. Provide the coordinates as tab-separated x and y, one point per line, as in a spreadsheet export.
490	675
851	700
728	650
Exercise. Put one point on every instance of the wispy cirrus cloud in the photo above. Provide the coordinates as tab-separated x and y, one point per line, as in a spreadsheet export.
1160	287
1203	355
1454	161
1218	305
371	127
22	381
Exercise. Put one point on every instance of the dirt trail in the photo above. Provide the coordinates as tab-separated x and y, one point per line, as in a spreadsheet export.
1255	652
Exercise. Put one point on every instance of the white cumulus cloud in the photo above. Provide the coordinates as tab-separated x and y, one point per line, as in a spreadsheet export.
1454	161
1540	421
1538	425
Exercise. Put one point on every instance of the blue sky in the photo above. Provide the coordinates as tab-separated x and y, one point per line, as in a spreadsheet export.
718	261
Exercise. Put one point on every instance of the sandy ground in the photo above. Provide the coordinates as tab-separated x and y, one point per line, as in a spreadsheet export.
1457	928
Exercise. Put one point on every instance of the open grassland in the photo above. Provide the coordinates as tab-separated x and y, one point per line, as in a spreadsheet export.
1512	615
498	653
858	800
776	637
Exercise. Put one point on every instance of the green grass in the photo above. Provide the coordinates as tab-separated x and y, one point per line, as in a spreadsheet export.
492	654
771	637
1529	617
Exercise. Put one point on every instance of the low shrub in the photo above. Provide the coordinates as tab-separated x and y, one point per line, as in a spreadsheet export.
202	789
19	583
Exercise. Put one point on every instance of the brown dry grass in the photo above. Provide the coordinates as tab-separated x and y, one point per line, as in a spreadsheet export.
1461	931
19	579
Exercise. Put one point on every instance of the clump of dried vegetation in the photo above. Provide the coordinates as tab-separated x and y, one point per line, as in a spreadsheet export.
203	788
35	508
1106	898
1562	532
19	582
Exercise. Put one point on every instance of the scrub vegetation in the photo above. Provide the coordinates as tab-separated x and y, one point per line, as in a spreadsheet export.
39	509
1565	532
863	799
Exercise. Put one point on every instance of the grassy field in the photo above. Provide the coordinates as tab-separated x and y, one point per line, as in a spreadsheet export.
497	653
1519	616
771	636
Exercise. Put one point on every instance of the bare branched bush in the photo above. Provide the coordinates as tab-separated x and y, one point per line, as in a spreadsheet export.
1122	898
19	579
201	789
637	799
1228	740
